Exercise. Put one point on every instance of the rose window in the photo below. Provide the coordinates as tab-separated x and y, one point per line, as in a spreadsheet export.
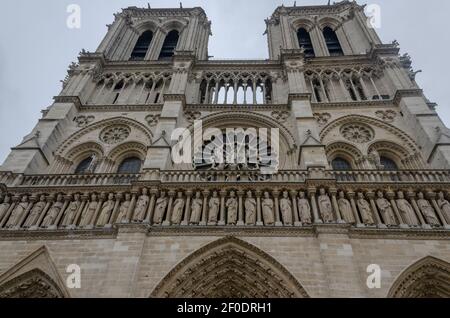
357	133
114	135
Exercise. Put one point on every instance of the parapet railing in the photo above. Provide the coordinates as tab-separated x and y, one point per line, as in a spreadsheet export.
225	176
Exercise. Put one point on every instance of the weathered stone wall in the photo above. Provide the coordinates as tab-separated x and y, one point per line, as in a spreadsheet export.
131	264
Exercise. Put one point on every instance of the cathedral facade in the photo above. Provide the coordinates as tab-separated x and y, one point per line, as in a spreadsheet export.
348	198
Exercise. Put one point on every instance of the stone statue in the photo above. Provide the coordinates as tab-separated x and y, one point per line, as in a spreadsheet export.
286	208
53	213
106	211
141	207
196	209
232	208
346	209
267	209
178	208
71	212
250	209
386	210
160	210
365	210
443	204
214	207
375	158
4	207
17	212
427	210
304	209
35	212
87	216
326	209
406	210
124	208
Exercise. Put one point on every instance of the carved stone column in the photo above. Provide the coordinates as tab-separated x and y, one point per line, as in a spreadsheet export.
432	197
55	224
187	209
371	197
42	216
14	201
223	195
22	219
118	198
169	208
241	208
295	208
312	197
132	206
276	195
151	206
333	193
412	198
204	219
100	201
351	196
391	195
259	221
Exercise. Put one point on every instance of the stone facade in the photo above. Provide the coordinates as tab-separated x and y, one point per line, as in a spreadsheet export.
363	175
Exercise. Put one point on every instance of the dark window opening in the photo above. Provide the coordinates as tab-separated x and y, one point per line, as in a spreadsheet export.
304	40
142	46
130	166
83	166
169	46
332	42
388	164
340	164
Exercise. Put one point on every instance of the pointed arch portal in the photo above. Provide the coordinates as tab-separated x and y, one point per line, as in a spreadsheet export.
428	278
229	268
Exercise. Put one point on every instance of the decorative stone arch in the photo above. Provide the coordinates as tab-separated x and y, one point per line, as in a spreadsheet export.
229	268
345	150
390	150
146	25
305	23
99	126
329	21
81	152
124	151
245	119
174	24
427	278
402	138
36	276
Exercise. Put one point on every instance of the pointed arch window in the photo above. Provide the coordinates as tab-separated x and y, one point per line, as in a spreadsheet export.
388	164
85	165
332	42
142	46
130	165
169	46
304	40
340	164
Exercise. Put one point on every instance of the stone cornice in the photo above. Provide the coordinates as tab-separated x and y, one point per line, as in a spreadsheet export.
319	9
229	107
122	108
237	231
68	99
401	93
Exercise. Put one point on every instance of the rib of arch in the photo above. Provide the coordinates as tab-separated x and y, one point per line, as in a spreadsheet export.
427	278
35	276
229	268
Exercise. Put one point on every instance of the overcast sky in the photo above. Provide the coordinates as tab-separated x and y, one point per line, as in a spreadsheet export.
36	46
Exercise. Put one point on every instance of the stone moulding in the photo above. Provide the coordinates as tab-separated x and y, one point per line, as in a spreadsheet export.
238	231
